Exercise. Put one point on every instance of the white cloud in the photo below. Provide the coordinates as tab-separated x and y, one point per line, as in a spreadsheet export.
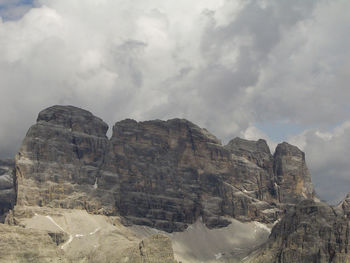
328	159
221	64
253	133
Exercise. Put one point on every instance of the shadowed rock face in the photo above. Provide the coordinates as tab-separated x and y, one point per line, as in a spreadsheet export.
311	232
7	187
164	174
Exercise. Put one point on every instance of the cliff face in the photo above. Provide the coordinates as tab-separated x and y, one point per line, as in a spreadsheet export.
311	232
163	174
7	187
292	175
60	159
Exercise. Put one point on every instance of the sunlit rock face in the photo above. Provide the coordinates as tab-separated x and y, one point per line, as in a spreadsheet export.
292	175
163	174
7	187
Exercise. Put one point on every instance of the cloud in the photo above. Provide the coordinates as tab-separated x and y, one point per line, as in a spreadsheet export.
253	133
224	65
14	9
328	159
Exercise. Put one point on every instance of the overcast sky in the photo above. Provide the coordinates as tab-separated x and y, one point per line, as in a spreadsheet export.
278	70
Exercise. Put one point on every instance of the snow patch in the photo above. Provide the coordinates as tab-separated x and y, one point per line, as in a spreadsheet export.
218	256
54	222
262	226
70	235
95	231
95	185
68	242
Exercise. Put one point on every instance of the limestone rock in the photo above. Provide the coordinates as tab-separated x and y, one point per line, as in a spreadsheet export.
345	205
255	151
311	232
7	187
171	172
292	175
60	159
162	174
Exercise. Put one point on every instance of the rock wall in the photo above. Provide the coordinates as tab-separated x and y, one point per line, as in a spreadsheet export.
60	159
163	174
292	175
7	187
310	232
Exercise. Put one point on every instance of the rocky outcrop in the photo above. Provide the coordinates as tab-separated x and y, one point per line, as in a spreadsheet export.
60	159
7	187
257	152
292	175
310	232
163	174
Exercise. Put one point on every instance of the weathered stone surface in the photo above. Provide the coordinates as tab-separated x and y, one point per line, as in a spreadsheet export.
60	159
163	174
292	175
7	187
255	151
310	232
168	173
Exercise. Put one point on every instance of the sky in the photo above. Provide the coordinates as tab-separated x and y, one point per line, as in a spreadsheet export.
275	69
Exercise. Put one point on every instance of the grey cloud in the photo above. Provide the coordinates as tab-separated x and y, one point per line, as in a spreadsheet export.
328	159
221	64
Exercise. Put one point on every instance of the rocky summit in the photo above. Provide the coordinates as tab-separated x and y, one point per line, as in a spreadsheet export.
160	191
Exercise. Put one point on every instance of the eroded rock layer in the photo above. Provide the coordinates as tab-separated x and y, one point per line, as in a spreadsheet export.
163	174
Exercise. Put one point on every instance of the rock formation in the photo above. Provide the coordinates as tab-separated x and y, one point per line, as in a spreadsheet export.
292	175
310	232
164	175
7	187
60	159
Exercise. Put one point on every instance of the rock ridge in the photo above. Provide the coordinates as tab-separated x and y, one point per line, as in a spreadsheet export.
162	174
